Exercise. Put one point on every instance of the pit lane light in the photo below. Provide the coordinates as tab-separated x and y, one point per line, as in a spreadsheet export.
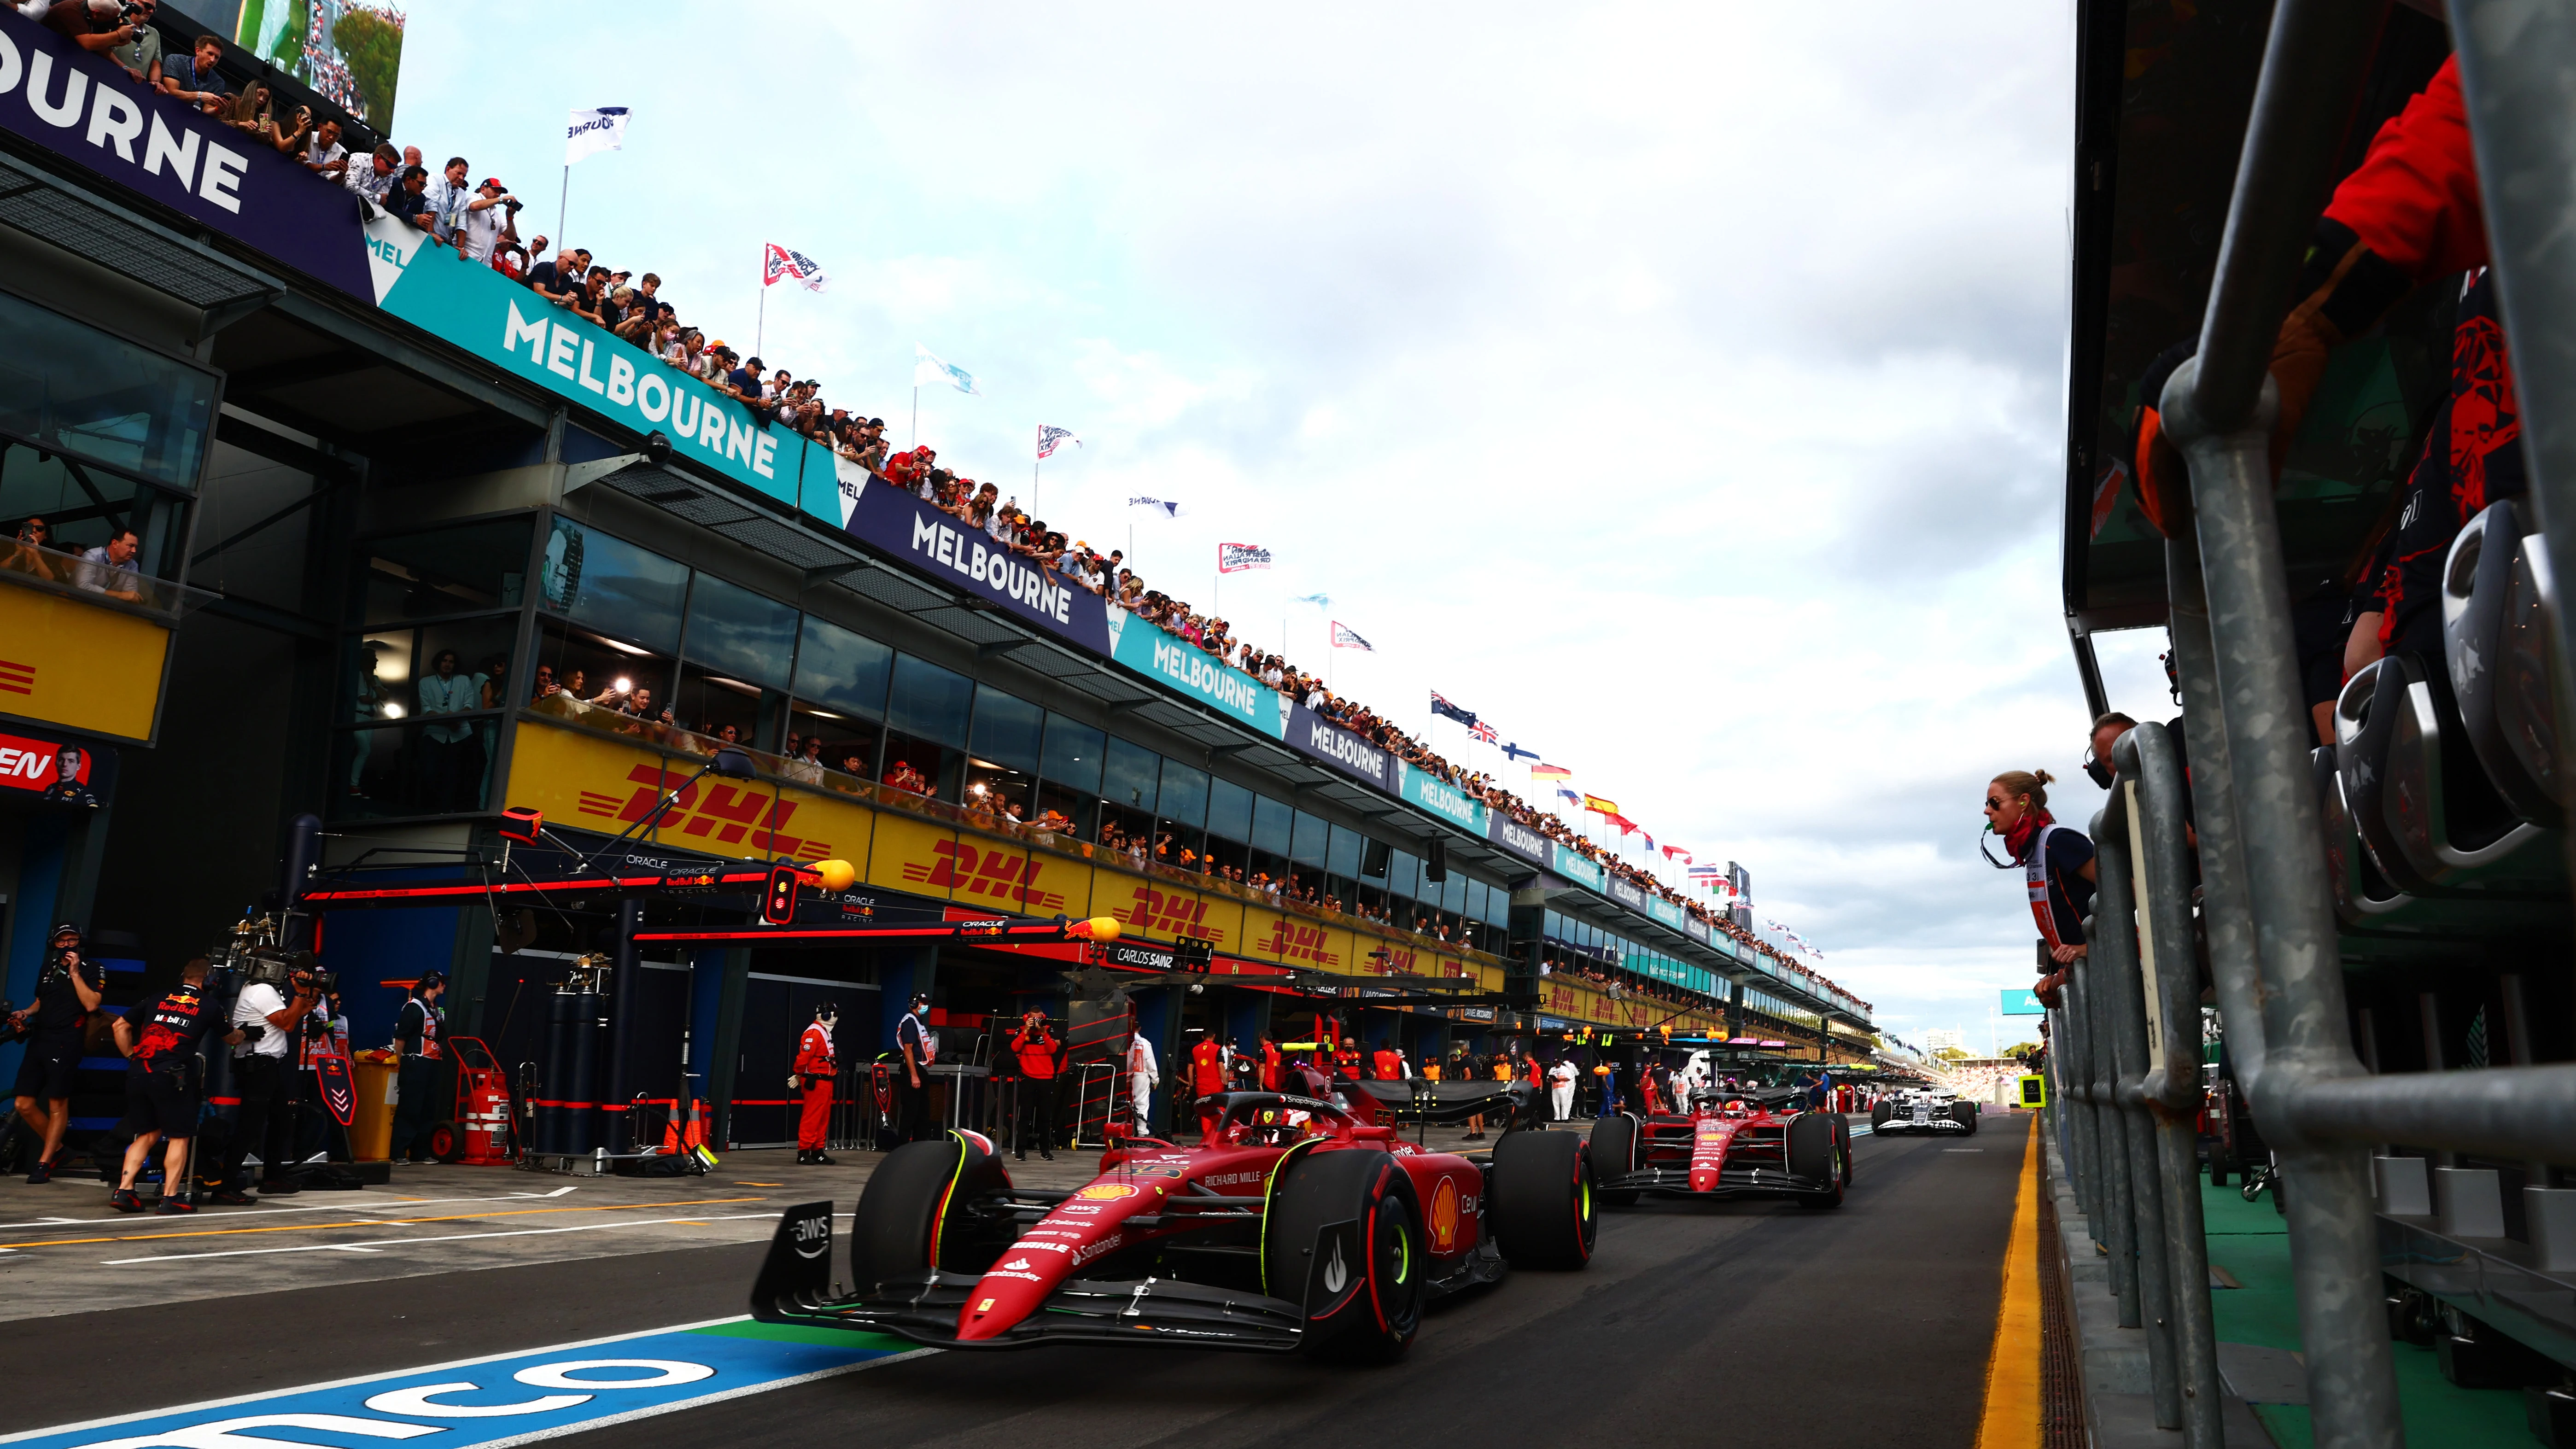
778	903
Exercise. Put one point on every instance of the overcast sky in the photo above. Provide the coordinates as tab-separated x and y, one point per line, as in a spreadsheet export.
1678	387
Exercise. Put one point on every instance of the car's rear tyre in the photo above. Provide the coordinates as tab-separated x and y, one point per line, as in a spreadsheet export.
912	1215
1816	1153
1842	1140
1613	1150
1879	1114
1965	1114
1363	1311
1543	1210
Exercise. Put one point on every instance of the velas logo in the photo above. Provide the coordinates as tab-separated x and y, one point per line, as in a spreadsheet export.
1173	913
1295	941
959	866
1106	1192
726	814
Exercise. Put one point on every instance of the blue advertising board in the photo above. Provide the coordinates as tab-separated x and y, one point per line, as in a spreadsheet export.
2020	1002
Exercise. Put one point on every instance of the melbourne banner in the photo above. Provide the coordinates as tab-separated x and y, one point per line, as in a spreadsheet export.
1317	738
1195	672
1572	865
1519	839
87	110
1443	799
904	527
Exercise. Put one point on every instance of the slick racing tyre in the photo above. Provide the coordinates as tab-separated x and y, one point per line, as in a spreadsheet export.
1542	1210
1842	1141
1341	1236
1816	1152
1879	1115
1965	1114
913	1215
1613	1150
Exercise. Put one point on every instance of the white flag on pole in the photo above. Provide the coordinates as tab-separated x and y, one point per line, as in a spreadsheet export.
1346	637
1051	437
927	368
1234	558
1164	506
594	131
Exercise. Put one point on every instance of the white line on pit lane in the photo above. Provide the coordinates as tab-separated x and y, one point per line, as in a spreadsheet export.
376	1245
309	1207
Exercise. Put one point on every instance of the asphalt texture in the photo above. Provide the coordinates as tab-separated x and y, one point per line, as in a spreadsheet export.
1745	1323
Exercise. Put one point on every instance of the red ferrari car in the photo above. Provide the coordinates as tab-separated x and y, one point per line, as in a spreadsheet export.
1297	1226
1754	1143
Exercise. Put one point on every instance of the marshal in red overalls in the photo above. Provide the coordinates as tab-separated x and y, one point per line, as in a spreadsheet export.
814	1072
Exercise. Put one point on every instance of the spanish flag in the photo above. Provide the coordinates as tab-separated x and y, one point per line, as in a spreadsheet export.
1599	806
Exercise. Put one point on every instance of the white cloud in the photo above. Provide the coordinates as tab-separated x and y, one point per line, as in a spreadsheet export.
1678	386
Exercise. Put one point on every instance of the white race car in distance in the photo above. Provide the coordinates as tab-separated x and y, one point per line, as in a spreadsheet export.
1923	1109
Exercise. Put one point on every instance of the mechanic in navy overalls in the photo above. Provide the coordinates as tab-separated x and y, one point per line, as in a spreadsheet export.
2057	865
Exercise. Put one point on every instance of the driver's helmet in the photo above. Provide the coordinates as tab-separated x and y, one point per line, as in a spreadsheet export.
1734	1108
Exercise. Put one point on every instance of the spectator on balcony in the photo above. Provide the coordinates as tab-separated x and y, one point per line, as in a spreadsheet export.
97	26
141	55
480	219
374	177
324	156
560	281
744	386
409	199
908	468
806	767
106	568
192	78
444	769
902	776
25	554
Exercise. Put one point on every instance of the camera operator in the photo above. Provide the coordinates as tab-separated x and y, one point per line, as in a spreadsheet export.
1036	1049
162	1092
416	1038
66	993
264	1072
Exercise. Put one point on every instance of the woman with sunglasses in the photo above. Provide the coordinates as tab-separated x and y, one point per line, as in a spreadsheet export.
25	551
2056	860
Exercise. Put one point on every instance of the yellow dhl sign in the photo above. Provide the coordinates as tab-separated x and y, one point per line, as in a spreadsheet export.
603	784
67	663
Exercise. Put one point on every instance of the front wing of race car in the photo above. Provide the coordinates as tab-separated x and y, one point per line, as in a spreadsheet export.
795	1286
1931	1119
1752	1181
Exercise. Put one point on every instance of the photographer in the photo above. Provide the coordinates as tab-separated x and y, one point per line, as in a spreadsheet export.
66	993
264	1073
416	1038
1037	1051
162	1092
479	221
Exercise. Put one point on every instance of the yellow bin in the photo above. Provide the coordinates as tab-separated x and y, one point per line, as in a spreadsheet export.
371	1136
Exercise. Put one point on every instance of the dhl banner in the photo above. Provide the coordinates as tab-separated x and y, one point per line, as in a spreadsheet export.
64	662
606	785
600	784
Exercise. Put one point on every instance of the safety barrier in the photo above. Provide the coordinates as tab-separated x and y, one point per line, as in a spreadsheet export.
2125	1039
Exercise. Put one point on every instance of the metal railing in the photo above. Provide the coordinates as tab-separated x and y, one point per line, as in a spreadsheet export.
2128	1025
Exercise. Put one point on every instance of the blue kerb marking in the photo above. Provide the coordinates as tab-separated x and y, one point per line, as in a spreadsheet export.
487	1403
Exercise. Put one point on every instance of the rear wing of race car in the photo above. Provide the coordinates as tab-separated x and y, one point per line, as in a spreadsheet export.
1440	1104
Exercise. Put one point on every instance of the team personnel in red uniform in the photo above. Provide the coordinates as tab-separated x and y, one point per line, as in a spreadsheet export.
814	1069
1389	1063
162	1094
1206	1068
1037	1050
1270	1059
2407	215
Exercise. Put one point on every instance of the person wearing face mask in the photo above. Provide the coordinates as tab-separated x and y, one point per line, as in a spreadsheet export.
2056	861
813	1076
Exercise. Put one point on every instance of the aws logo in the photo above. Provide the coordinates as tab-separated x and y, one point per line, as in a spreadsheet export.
1171	913
958	866
725	814
1292	941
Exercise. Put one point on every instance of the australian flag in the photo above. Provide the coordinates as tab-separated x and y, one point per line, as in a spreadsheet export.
1442	706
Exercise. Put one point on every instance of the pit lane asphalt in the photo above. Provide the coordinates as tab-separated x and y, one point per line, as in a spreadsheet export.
1747	1323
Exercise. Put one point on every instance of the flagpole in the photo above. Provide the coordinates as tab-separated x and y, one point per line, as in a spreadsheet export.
760	315
916	412
563	206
